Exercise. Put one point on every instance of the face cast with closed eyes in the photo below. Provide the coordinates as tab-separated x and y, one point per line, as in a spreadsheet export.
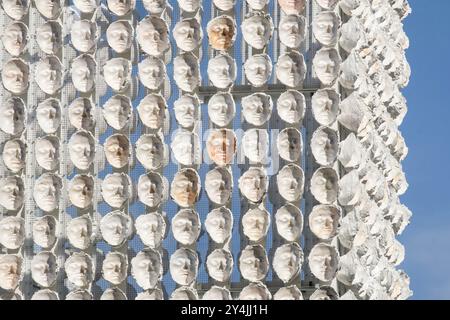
219	185
218	224
186	72
324	293
115	267
188	34
10	271
291	106
49	37
47	152
324	146
83	73
151	189
257	108
15	75
222	71
258	69
220	265
151	228
117	150
81	113
255	143
15	38
116	228
253	184
257	4
292	6
290	182
16	9
117	111
117	73
116	189
324	221
290	144
11	193
291	69
326	65
325	27
81	190
79	269
185	148
152	72
119	35
186	226
47	191
292	30
150	151
82	149
184	266
323	261
255	223
186	110
255	291
257	30
146	268
152	111
49	75
79	231
13	155
288	293
289	221
12	232
221	109
84	35
50	9
12	116
221	146
217	293
324	185
44	231
185	188
189	5
121	7
86	6
325	106
253	263
221	32
287	261
48	115
153	36
44	268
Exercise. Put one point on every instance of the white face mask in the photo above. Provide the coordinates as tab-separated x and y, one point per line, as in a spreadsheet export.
323	261
287	261
217	293
79	232
15	38
219	185
253	263
290	144
151	189
117	150
253	184
186	110
255	291
15	75
325	106
186	72
224	5
81	191
258	69
48	115
218	224
12	116
83	73
12	232
257	31
152	73
292	31
47	191
150	151
288	293
116	189
84	35
49	75
119	36
291	69
188	34
151	228
255	223
220	265
146	268
185	148
324	185
82	150
15	9
44	268
10	271
222	71
47	152
117	111
186	226
326	64
14	155
221	109
324	146
189	5
11	193
79	269
117	73
116	228
184	266
50	9
292	6
325	27
152	111
257	108
290	182
152	35
49	37
115	267
44	231
289	222
291	106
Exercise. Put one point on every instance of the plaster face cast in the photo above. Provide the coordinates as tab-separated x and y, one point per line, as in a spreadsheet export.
257	5
152	111
324	146
255	291
83	73
150	151
325	106
187	110
49	37
327	4
258	69
221	146
224	5
44	231
291	69
222	71
50	9
13	155
121	7
84	35
188	34
11	193
257	108
116	228
153	36
12	116
151	228
185	148
152	72
324	221
219	185
186	226
184	293
325	27
79	269
117	73
184	266
15	38
189	5
221	109
153	294
15	75
152	189
10	271
44	268
115	267
117	111
290	144
288	293
292	30
81	113
323	261
218	224
289	222
47	191
255	224
86	6
221	33
217	293
292	6
253	184
12	232
47	152
324	293
79	231
82	149
326	65
253	263
48	115
290	181
49	76
116	189
257	30
220	264
45	294
287	261
113	294
79	295
324	185
186	72
291	106
16	9
81	190
155	6
117	150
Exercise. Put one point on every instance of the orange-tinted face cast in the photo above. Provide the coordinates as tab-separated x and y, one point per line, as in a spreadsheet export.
221	146
221	33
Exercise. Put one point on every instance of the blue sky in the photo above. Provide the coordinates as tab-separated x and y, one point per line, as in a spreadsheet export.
426	130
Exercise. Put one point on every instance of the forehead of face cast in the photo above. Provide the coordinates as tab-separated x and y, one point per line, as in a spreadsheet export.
47	106
151	139
121	25
327	55
187	100
151	179
290	134
323	250
254	173
219	174
150	63
223	25
50	63
258	20
16	9
288	250
327	4
52	27
186	255
16	30
217	293
113	294
184	138
84	61
79	257
184	293
118	140
288	212
16	66
151	219
45	294
17	146
17	222
186	215
48	179
256	214
117	64
292	58
80	222
222	134
190	23
186	60
326	20
291	171
12	260
147	255
116	179
45	221
223	99
222	214
293	20
84	180
255	291
11	181
152	23
116	218
80	294
46	257
83	138
254	251
117	103
260	61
